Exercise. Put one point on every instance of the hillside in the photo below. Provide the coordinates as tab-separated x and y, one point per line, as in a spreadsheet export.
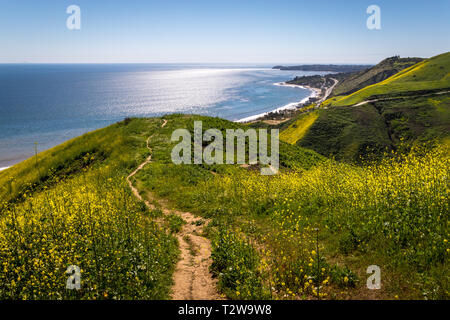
375	74
71	206
427	75
410	107
298	129
74	207
263	228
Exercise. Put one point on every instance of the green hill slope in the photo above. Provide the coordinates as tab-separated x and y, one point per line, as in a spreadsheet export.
71	205
427	75
121	146
265	225
377	73
409	107
74	207
298	129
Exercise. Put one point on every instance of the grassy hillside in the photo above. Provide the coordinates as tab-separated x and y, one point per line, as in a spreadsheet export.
122	144
308	232
427	75
383	70
318	223
351	132
347	133
298	129
409	107
263	228
73	207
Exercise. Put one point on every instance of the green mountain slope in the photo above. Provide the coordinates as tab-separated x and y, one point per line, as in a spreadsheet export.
122	146
412	106
71	205
377	73
347	133
74	207
298	129
263	225
427	75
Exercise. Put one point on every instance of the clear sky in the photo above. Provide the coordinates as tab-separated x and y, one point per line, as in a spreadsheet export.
234	31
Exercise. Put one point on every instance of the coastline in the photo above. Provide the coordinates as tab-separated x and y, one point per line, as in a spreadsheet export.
290	106
314	92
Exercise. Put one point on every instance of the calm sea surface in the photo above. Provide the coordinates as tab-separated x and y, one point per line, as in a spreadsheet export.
49	104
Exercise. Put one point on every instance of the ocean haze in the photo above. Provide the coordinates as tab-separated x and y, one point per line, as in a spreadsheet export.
51	103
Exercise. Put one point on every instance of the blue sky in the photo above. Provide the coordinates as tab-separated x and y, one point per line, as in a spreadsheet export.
242	31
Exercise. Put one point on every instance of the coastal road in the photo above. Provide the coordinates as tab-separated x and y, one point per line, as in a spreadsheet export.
328	91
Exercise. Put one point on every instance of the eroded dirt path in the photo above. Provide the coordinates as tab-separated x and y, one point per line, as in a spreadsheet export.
192	279
143	164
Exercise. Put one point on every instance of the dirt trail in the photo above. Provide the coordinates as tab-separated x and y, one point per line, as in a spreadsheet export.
399	97
149	158
192	279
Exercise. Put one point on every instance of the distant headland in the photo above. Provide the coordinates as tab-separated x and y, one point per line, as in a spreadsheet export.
325	67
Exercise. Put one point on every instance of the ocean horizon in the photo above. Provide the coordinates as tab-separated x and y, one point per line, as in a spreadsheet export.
52	103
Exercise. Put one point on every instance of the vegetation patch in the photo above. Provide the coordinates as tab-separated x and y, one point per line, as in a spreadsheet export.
298	129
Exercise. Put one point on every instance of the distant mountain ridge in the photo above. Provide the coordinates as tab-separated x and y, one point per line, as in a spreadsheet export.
326	67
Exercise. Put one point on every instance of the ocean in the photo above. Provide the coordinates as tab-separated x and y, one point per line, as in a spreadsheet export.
51	103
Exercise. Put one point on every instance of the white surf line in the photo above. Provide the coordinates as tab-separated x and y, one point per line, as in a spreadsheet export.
289	106
3	168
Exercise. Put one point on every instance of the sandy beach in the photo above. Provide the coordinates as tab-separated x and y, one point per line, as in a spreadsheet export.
314	93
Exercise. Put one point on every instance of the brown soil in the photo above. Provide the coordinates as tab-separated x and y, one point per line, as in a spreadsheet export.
275	122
